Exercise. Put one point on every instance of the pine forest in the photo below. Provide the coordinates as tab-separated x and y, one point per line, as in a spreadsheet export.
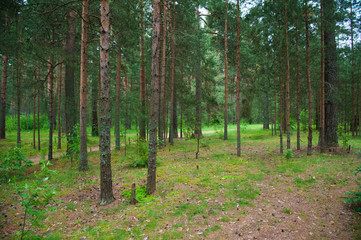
180	119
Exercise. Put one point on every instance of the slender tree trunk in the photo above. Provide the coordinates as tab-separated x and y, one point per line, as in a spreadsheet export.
4	79
275	115
34	115
51	108
154	99
281	100
322	95
309	145
331	75
288	107
38	118
198	123
142	77
59	104
70	103
117	100
171	124
94	95
226	74
265	105
18	87
83	158
353	122
175	116
238	80
359	106
181	122
298	88
106	182
162	109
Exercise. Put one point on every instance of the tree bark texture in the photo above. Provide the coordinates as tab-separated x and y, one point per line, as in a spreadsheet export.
162	110
298	90
288	107
142	86
59	104
18	94
4	79
322	94
238	80
106	182
198	123
70	103
309	144
265	105
117	100
353	115
225	137
331	75
83	158
94	103
171	124
154	99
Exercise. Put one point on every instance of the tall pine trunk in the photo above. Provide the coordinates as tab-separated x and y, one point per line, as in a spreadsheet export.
83	158
171	123
18	94
154	99
117	100
162	100
34	112
353	115
142	87
59	104
288	107
298	88
106	182
309	145
38	94
198	123
322	94
281	101
226	74
331	75
70	103
94	106
238	79
4	79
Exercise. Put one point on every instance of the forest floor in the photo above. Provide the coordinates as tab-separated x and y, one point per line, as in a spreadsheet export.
261	195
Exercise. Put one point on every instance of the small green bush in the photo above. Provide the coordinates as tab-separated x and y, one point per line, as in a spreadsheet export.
141	159
13	163
140	194
288	154
36	198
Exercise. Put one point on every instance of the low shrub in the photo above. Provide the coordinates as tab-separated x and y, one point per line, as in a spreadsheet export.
13	163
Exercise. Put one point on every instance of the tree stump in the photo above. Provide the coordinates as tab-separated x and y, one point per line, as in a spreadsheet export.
133	200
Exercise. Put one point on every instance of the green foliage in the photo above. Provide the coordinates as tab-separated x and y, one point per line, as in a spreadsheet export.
13	163
345	138
140	194
74	143
26	122
36	197
288	154
354	197
141	159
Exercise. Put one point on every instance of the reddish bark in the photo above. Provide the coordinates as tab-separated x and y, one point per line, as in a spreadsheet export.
83	158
